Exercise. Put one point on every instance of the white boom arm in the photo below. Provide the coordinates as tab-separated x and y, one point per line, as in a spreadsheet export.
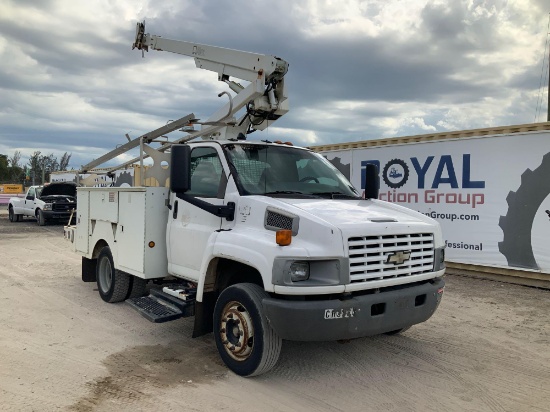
239	64
265	97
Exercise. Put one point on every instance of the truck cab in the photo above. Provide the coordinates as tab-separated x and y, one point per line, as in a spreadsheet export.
287	220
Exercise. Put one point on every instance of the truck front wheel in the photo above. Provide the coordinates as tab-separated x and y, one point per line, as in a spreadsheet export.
40	219
246	342
113	285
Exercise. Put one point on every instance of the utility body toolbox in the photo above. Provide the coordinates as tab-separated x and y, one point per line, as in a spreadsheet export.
131	220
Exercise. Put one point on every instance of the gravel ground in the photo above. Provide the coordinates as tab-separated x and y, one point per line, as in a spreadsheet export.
62	348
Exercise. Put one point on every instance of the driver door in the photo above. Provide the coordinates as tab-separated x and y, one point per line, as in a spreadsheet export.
191	229
29	202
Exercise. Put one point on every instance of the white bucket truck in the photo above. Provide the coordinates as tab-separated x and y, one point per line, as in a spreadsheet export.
260	241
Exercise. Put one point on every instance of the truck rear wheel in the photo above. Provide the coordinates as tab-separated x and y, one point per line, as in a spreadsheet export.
12	216
246	342
137	288
113	285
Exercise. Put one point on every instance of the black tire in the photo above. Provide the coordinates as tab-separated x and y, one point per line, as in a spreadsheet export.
12	216
137	287
256	346
40	219
113	285
398	331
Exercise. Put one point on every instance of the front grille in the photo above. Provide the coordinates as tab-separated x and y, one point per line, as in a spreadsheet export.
276	220
61	207
368	256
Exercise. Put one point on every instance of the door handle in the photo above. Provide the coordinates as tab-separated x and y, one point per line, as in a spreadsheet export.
175	211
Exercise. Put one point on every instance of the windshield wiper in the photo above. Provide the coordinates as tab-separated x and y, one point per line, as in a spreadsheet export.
336	195
290	192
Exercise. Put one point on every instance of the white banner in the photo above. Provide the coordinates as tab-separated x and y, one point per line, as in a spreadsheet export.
121	178
490	194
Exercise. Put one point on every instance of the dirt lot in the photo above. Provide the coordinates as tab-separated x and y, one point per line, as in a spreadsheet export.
486	349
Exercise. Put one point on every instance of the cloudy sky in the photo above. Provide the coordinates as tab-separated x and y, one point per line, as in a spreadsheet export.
359	70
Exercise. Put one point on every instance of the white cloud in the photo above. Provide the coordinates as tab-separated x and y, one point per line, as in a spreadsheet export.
358	19
359	70
295	136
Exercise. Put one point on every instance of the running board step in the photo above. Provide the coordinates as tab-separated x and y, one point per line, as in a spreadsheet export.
161	307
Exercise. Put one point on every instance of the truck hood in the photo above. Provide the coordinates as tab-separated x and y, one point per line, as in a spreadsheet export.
353	212
59	189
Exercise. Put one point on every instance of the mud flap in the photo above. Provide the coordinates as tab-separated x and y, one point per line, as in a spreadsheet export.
204	312
89	269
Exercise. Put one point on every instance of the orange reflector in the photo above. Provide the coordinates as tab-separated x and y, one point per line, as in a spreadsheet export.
151	244
289	143
283	237
278	142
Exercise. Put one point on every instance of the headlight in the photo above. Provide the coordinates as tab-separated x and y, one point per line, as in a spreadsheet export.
299	271
302	271
48	206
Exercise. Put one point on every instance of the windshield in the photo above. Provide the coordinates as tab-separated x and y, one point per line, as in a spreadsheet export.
286	171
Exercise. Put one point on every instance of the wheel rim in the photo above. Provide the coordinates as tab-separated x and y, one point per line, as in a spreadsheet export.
237	331
105	275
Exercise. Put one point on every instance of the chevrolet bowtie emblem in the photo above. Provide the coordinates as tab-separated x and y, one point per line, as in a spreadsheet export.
398	258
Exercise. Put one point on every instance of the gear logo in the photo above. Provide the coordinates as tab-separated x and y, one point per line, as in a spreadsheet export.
124	178
395	173
523	206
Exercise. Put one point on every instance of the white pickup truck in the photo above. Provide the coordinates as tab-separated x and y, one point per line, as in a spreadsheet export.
54	201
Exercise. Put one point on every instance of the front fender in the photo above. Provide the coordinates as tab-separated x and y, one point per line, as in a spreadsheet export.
251	249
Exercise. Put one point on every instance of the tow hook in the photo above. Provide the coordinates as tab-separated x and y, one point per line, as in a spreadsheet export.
440	294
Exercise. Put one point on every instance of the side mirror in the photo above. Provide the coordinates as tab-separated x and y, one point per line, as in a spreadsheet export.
30	197
180	168
372	181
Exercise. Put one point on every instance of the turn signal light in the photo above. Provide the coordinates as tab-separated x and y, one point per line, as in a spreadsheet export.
283	237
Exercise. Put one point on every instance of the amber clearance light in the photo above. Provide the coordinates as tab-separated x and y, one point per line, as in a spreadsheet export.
283	237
